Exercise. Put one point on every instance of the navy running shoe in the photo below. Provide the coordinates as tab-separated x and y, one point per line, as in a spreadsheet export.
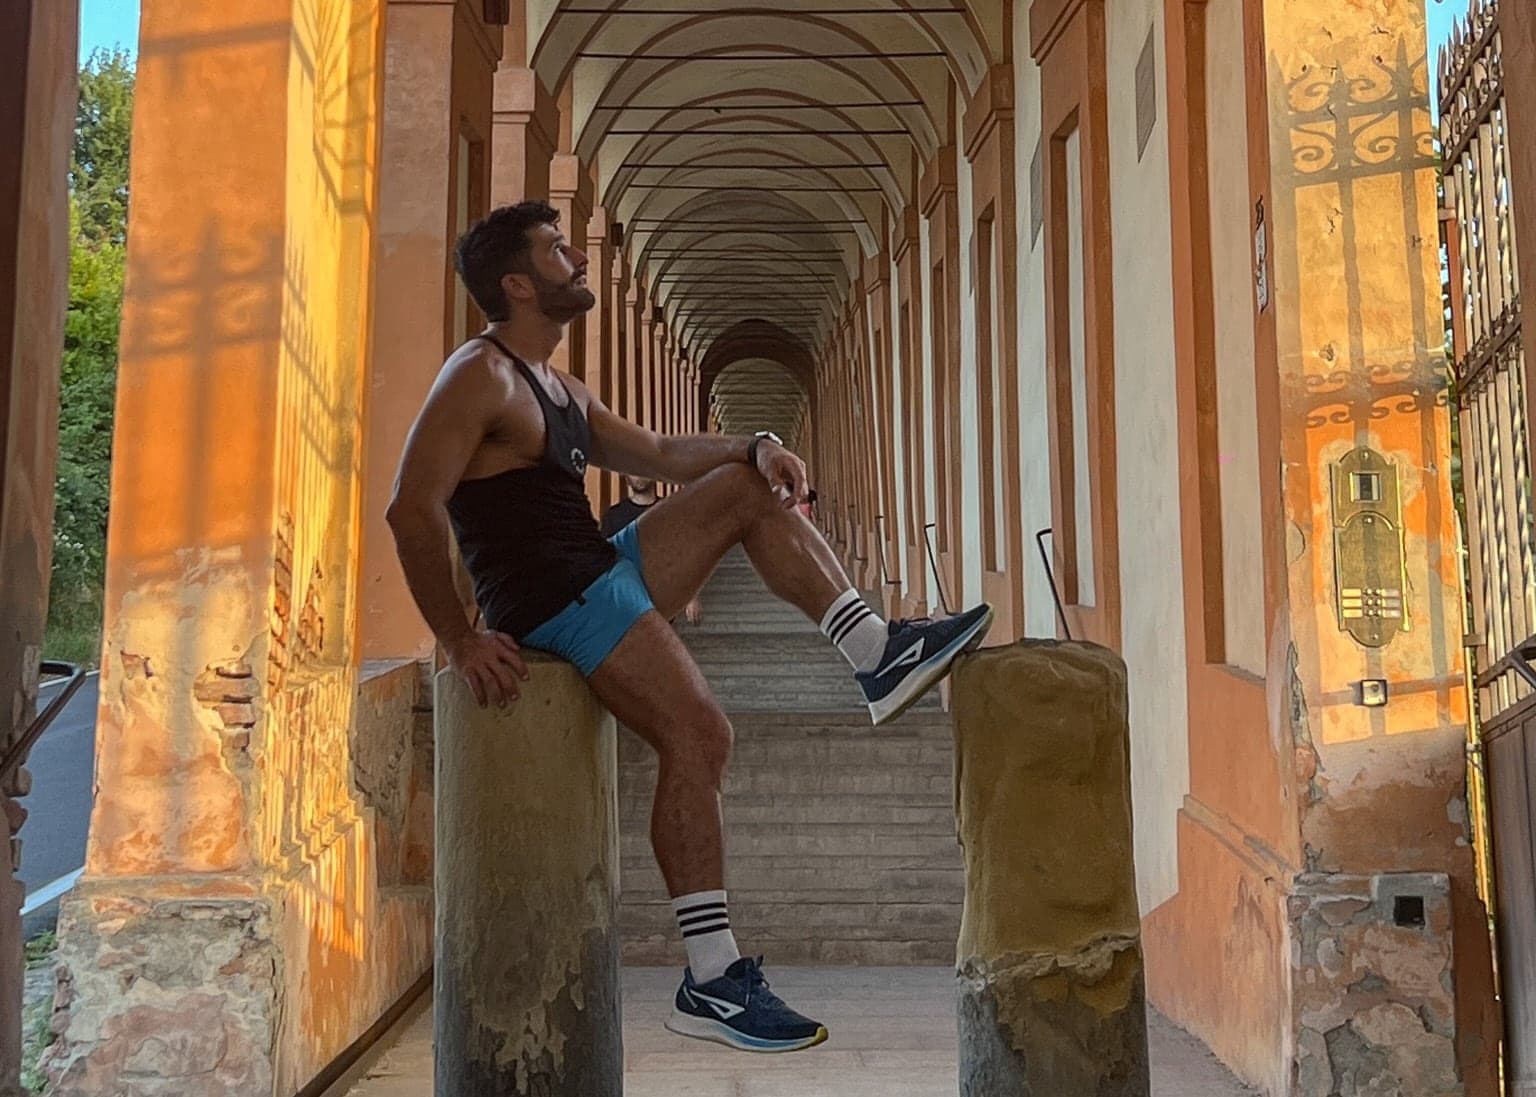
739	1011
918	652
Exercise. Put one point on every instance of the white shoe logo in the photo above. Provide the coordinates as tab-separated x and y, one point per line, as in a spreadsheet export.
912	655
726	1010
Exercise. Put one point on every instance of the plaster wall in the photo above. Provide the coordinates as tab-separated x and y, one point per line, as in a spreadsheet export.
1030	373
1233	290
1146	427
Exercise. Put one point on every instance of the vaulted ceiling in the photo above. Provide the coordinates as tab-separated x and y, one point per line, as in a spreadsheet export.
756	155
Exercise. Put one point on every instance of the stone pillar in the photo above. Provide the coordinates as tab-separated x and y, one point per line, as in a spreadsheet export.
527	892
37	118
1052	1002
235	930
440	64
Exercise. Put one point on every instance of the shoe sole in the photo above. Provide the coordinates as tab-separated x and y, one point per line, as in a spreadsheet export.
923	678
716	1032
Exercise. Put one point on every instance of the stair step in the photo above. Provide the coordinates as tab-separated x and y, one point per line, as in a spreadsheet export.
904	877
832	840
842	836
821	780
870	918
753	750
809	953
931	813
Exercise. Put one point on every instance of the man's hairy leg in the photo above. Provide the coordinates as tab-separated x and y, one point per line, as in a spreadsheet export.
652	686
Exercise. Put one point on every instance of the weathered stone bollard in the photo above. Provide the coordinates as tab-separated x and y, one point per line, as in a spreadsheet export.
1052	999
527	979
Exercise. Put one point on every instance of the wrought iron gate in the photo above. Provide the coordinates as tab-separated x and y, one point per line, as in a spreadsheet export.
1494	403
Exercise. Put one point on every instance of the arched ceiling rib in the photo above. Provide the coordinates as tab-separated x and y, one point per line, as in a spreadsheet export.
757	155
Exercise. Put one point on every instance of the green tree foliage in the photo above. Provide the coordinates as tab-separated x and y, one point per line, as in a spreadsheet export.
88	377
98	170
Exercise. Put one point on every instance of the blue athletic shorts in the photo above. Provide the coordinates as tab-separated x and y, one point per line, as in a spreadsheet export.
586	630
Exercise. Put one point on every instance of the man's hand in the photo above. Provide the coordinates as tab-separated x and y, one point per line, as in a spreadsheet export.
490	664
784	472
692	613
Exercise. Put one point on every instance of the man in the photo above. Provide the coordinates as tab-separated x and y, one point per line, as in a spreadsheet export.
640	496
498	454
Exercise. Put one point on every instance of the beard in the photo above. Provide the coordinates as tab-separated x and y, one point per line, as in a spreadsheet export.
562	302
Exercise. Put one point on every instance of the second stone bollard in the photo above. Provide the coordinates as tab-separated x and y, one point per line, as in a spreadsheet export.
1052	999
527	881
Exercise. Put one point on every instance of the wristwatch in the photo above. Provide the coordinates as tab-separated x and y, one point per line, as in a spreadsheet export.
758	437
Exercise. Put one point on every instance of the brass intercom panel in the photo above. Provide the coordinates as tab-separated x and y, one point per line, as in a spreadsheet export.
1369	571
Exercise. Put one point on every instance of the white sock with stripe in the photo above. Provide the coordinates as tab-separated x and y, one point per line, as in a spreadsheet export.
857	630
706	934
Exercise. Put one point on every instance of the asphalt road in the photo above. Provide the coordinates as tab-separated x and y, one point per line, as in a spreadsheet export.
63	767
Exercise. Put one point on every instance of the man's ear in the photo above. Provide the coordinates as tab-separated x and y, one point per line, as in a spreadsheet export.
517	287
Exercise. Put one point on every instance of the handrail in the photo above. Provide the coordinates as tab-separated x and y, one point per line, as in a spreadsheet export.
11	761
933	565
885	576
1050	577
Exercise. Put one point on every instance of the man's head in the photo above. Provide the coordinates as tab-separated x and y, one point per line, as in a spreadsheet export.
639	485
516	259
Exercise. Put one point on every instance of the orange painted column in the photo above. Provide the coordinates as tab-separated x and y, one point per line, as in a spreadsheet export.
886	524
652	368
1380	790
907	252
435	182
989	146
598	370
570	192
941	207
525	127
1327	801
671	377
230	841
634	337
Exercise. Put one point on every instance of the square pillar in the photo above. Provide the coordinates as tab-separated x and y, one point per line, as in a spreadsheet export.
242	920
570	192
525	124
435	183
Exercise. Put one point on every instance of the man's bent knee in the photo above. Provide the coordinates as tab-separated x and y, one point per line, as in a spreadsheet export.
706	744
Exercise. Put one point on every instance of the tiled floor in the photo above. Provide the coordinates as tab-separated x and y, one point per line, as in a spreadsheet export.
893	1035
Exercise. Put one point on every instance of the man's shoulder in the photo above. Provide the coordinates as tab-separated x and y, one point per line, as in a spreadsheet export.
474	371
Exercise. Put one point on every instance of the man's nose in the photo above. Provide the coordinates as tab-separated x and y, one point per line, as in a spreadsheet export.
578	257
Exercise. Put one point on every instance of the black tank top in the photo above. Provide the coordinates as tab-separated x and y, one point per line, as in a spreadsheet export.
527	535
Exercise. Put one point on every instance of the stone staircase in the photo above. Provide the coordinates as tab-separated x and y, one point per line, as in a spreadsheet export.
841	837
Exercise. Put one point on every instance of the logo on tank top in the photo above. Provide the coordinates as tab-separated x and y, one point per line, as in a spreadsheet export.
578	459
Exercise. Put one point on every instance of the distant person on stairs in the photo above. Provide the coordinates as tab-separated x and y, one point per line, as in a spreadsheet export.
498	454
640	497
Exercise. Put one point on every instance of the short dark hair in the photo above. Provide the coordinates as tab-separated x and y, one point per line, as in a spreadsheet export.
495	246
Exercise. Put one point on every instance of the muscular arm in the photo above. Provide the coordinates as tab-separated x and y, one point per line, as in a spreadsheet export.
622	446
449	429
